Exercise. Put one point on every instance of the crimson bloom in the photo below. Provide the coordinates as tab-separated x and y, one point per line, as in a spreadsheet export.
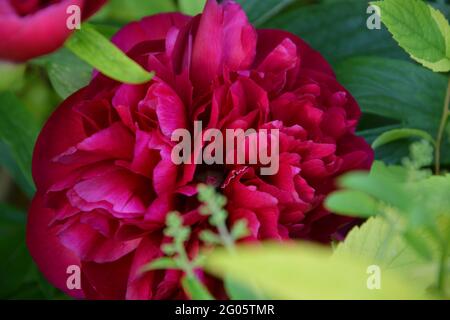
31	28
102	164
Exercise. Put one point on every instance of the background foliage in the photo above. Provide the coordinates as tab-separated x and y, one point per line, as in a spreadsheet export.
400	83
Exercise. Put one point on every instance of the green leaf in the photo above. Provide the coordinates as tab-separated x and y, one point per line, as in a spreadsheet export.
238	291
262	11
14	258
379	187
18	132
195	289
67	72
305	271
131	10
9	163
92	47
337	30
11	73
397	134
160	264
419	29
379	243
192	7
352	203
239	230
406	94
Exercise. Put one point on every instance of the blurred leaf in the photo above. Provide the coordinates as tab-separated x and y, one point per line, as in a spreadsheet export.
380	187
92	47
10	164
160	264
192	7
11	73
262	11
131	10
397	90
67	72
352	203
14	258
337	29
195	289
18	132
305	272
238	291
397	134
419	29
379	243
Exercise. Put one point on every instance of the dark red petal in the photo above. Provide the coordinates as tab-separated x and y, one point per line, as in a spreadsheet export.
50	255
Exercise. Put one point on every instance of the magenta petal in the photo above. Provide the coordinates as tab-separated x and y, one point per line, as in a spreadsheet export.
50	255
90	245
224	38
150	28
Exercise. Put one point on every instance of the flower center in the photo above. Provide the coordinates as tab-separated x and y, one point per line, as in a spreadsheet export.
213	175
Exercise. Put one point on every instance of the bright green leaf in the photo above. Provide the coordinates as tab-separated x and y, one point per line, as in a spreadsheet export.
238	291
195	289
11	74
380	243
306	272
379	187
92	47
132	10
352	203
191	7
160	264
419	29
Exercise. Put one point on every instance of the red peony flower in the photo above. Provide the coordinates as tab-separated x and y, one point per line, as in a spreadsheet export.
103	169
31	28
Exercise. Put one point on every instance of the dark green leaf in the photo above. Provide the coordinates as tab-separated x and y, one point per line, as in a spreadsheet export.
401	91
338	30
18	132
262	11
15	261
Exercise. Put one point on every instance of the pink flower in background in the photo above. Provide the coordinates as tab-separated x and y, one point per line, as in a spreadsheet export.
102	164
31	28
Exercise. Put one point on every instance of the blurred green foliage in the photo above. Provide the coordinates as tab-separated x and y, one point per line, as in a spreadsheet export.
407	234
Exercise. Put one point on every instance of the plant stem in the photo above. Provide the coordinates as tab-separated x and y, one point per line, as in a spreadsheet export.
226	237
440	137
442	271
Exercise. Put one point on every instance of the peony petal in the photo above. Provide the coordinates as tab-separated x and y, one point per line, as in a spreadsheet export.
150	28
224	38
51	257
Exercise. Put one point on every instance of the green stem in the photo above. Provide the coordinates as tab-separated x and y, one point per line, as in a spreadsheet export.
226	237
440	137
442	271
